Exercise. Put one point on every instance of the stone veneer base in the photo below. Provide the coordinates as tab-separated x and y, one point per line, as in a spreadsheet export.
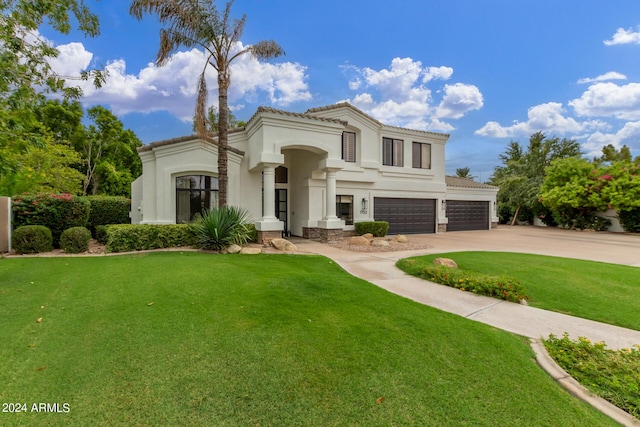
330	235
265	237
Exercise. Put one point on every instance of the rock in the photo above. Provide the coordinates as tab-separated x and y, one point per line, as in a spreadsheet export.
446	262
284	245
523	302
232	249
379	243
401	238
359	241
250	251
368	236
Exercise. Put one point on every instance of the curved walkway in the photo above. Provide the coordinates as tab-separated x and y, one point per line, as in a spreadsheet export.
379	268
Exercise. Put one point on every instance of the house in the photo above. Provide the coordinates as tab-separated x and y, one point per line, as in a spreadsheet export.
315	175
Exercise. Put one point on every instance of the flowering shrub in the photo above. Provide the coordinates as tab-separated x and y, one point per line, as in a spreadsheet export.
483	284
613	375
55	211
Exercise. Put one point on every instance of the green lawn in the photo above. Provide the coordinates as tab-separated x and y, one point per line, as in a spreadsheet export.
268	340
608	293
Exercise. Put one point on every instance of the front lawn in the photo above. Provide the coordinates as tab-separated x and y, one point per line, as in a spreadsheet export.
269	340
608	293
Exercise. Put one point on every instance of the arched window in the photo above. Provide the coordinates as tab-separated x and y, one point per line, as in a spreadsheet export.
195	194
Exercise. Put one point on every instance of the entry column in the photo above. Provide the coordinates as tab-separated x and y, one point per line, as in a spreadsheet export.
331	227
269	227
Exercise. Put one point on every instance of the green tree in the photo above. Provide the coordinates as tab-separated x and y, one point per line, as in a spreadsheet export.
522	173
211	121
25	73
464	172
198	23
110	160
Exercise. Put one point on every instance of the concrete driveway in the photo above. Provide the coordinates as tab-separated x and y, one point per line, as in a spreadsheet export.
618	248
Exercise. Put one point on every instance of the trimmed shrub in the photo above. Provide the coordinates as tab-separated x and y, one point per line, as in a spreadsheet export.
630	220
32	239
75	240
222	227
138	237
377	228
101	234
55	211
108	210
500	287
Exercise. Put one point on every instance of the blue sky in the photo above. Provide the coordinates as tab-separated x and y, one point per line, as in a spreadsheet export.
486	72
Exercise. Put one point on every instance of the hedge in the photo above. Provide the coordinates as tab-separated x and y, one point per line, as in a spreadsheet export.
108	210
138	237
55	211
377	228
75	240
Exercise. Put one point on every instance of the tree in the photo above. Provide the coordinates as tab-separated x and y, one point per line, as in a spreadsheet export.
198	23
211	121
464	172
24	69
523	172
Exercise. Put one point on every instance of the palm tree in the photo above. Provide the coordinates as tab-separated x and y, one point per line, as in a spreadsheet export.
464	172
197	23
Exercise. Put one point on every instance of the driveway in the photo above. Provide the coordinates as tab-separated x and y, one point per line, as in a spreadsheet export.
618	248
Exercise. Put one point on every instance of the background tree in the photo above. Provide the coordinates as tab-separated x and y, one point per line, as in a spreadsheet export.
464	172
522	173
211	121
198	23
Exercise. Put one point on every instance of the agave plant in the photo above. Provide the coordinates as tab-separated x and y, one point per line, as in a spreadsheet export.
223	226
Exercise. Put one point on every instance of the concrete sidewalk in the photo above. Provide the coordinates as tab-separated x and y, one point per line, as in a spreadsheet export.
379	268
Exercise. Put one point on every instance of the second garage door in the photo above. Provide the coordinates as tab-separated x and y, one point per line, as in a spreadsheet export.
467	215
406	216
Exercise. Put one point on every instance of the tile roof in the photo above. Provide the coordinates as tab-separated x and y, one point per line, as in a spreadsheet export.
456	181
290	114
180	139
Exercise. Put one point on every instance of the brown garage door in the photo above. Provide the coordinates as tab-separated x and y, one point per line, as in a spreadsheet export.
465	215
406	216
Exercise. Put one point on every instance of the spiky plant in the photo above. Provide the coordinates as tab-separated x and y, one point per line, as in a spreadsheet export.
221	227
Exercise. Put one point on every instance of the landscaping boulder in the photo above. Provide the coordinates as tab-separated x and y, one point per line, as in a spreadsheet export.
401	238
446	262
368	236
359	241
379	243
284	245
250	251
233	249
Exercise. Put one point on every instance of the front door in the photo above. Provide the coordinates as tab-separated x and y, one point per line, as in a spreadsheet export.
281	207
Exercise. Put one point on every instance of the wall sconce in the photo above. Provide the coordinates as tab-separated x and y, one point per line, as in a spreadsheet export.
444	205
363	210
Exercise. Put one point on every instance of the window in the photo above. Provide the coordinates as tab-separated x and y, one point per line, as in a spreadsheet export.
349	146
392	152
421	155
195	194
344	209
282	175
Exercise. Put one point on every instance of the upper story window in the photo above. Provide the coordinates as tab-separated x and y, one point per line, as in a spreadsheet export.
349	146
392	152
421	155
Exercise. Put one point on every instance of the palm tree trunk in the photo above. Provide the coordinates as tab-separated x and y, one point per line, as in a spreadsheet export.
223	86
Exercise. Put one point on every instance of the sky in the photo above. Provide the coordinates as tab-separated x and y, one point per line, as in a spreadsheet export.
486	72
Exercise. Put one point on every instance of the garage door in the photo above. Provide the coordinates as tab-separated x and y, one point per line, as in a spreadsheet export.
465	215
406	216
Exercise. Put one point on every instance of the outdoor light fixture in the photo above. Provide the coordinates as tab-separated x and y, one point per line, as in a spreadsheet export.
444	204
364	206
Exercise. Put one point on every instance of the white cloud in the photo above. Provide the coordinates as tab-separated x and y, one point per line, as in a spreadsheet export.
611	75
628	135
172	87
623	36
609	100
399	95
548	118
459	99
